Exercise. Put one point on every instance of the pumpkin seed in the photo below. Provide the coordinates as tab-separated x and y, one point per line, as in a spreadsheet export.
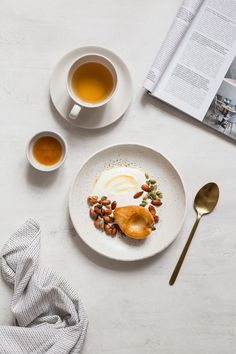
152	195
102	224
152	181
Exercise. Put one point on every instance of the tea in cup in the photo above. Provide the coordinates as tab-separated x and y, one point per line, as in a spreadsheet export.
91	82
46	151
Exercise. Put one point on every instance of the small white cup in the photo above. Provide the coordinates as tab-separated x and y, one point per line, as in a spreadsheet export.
38	165
79	103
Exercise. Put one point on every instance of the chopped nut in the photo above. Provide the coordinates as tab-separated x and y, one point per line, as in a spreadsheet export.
97	223
113	231
108	219
156	219
107	229
152	210
156	202
107	212
137	195
113	205
92	200
97	210
93	214
105	202
146	188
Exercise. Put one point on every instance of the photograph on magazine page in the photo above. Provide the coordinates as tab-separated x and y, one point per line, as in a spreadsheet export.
222	111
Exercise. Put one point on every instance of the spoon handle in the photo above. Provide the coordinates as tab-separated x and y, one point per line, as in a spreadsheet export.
184	252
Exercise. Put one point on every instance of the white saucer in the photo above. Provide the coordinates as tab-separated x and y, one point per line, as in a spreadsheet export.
171	213
91	118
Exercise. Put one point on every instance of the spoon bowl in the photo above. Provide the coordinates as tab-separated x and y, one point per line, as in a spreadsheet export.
206	199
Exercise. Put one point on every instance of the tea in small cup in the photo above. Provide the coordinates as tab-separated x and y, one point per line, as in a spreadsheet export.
46	151
91	82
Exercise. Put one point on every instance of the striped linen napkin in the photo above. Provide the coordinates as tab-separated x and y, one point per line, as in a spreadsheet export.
49	315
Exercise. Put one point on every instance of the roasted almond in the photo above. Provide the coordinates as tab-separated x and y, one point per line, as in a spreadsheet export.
156	219
146	188
107	229
92	200
156	202
97	223
137	195
93	214
106	212
108	219
117	227
113	231
152	210
113	205
98	210
105	202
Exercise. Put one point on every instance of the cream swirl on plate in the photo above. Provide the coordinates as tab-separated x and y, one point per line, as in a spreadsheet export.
120	184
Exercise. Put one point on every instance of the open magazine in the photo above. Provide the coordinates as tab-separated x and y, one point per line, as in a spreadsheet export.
195	68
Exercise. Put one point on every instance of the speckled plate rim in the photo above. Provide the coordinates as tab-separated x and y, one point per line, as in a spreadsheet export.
152	254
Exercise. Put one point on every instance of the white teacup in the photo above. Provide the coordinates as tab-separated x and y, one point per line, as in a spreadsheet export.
97	86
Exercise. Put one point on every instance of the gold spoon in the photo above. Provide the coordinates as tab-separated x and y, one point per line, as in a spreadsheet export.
204	203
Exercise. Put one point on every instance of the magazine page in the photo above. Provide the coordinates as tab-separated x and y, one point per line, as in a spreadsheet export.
179	27
221	114
202	59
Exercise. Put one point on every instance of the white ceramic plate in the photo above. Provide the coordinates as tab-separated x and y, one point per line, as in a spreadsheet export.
171	213
91	118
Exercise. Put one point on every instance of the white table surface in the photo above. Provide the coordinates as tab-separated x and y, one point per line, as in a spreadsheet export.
131	307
